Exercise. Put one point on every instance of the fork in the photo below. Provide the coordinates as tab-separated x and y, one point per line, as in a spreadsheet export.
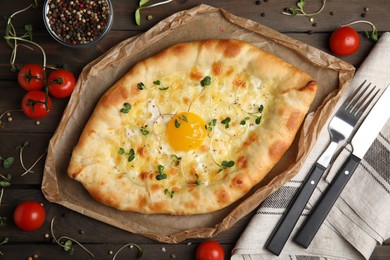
340	129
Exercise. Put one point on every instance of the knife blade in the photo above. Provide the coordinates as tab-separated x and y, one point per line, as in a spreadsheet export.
360	142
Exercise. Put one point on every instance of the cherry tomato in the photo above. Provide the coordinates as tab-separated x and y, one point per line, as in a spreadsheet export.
29	215
30	77
344	41
33	104
210	250
61	83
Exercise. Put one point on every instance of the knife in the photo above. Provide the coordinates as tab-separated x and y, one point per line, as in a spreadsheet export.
361	142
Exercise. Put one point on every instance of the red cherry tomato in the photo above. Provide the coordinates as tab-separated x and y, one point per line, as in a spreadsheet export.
344	41
61	83
33	104
210	250
30	77
29	215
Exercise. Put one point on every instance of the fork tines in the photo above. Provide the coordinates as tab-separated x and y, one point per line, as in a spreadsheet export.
356	104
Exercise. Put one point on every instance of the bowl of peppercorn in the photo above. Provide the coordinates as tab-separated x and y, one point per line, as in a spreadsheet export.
78	23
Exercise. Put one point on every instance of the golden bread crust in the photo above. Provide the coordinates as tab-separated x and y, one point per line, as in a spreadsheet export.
247	83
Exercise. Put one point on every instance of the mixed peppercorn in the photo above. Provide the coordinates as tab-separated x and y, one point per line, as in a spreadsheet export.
78	21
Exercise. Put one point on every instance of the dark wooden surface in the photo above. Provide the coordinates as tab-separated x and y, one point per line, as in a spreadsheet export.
98	237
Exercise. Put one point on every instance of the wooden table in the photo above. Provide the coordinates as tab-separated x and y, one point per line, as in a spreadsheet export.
98	237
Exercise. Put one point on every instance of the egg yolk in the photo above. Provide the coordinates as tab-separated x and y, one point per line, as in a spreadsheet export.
186	131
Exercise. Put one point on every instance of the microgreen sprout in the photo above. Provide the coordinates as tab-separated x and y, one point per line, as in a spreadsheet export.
130	154
67	245
140	251
158	83
197	182
169	193
21	149
258	116
5	181
226	122
210	125
144	130
142	5
225	164
182	118
126	108
3	184
161	175
372	35
243	122
300	10
141	86
206	81
33	165
176	159
13	41
7	162
5	241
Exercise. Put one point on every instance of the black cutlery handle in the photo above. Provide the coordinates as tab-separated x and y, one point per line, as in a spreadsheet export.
283	229
318	214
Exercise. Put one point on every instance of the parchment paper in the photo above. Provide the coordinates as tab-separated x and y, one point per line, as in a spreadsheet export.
201	22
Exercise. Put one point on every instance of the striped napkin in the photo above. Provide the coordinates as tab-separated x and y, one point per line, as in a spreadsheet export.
360	218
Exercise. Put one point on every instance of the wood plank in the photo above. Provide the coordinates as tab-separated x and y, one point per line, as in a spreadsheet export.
124	13
93	231
38	143
76	59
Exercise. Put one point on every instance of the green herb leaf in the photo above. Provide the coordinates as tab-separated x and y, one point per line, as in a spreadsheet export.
157	82
243	122
226	122
126	108
184	118
143	2
206	81
261	108
137	16
131	155
141	86
161	175
176	159
144	131
210	125
121	150
301	4
163	88
5	184
68	246
292	11
258	120
170	193
177	123
7	162
225	164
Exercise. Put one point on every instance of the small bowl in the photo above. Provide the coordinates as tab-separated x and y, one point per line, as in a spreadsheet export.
78	23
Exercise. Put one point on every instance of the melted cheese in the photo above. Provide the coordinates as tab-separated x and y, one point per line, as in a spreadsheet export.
235	98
